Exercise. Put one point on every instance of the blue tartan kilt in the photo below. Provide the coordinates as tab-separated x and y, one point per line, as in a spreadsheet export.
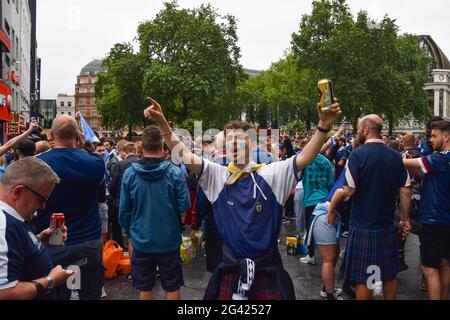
366	248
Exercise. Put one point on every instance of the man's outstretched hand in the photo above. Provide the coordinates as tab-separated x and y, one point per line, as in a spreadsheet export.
327	119
154	112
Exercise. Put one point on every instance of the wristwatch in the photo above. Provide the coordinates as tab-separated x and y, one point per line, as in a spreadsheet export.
39	288
51	283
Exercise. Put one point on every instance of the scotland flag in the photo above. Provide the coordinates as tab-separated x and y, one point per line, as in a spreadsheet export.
87	131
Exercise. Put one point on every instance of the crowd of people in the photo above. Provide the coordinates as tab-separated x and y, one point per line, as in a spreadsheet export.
239	188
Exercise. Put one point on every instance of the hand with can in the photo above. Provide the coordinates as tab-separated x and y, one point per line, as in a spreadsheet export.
57	226
44	236
59	275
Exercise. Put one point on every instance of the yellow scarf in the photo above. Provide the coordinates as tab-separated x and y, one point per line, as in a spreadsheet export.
236	173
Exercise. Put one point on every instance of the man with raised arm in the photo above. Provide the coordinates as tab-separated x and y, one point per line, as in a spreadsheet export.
247	201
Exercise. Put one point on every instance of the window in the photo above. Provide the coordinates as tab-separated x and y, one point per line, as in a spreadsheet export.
7	27
441	103
62	113
93	113
62	103
70	113
69	104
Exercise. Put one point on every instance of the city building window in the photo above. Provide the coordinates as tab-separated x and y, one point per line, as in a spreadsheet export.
62	103
70	113
62	113
7	27
441	103
69	103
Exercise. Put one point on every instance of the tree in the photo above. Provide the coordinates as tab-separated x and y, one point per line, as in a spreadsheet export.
192	62
119	94
374	69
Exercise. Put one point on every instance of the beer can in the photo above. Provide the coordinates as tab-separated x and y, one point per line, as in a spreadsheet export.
326	94
56	224
57	220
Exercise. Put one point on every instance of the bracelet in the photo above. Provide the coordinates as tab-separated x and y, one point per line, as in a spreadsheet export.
39	288
323	130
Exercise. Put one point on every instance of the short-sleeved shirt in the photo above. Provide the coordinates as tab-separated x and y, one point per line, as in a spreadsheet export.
376	172
342	154
435	197
249	214
424	148
77	195
23	257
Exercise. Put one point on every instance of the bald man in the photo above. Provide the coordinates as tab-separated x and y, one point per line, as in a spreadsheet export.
374	176
77	197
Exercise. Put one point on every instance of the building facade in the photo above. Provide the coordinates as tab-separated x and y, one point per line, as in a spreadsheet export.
65	104
17	38
47	109
85	94
438	87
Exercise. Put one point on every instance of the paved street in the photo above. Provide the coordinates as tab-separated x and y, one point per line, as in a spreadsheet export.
306	278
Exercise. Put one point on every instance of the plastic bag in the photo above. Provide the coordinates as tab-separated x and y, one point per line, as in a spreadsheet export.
112	253
188	249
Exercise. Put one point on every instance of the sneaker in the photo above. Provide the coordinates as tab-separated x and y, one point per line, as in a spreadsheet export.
309	260
334	296
129	278
104	294
403	267
324	294
345	234
423	285
349	290
285	219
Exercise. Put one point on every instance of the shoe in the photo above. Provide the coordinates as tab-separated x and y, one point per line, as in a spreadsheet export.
334	296
129	278
349	290
324	294
309	260
423	285
403	267
285	219
104	294
345	234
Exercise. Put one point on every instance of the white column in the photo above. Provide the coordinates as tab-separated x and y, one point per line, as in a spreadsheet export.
436	102
446	106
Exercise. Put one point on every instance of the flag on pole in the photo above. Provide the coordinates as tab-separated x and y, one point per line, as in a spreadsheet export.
87	131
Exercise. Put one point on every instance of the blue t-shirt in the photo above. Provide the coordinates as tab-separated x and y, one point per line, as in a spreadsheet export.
425	148
23	257
435	197
76	196
376	172
249	212
317	181
342	154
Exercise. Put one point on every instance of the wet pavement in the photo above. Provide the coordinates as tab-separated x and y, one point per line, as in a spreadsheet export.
306	278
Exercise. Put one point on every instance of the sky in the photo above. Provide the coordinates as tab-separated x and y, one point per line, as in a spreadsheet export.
71	33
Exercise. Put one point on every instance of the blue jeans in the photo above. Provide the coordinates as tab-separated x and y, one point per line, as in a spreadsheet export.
92	274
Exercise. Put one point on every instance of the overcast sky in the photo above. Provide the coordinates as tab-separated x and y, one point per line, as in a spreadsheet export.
70	33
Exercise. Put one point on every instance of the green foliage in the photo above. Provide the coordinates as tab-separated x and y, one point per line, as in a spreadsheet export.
296	126
192	62
118	92
373	67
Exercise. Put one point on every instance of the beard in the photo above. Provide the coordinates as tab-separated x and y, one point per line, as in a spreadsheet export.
437	146
361	139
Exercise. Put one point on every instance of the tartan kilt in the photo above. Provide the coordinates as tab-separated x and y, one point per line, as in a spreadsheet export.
263	288
371	248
